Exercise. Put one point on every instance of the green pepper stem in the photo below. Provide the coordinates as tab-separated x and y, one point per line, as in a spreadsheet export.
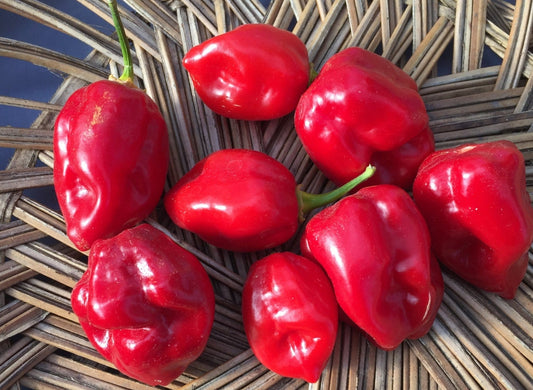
127	74
308	202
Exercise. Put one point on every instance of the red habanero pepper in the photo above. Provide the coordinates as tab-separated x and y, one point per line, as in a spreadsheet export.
146	304
110	157
243	200
290	315
362	109
375	247
254	72
479	213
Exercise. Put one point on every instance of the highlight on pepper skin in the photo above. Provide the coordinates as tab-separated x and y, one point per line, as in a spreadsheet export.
146	304
290	315
475	201
254	72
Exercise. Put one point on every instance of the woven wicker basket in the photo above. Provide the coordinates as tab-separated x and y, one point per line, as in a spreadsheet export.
478	339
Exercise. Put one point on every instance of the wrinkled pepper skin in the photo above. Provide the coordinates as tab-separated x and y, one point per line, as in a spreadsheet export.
290	315
479	213
360	110
146	304
254	72
375	247
110	160
236	199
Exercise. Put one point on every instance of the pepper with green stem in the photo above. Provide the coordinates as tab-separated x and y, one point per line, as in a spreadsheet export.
244	200
110	155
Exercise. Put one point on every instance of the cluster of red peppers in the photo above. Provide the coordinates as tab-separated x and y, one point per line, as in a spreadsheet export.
145	303
371	256
375	254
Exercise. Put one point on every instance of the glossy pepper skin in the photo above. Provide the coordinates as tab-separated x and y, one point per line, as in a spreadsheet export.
110	160
479	213
375	247
360	110
236	199
146	304
290	315
254	72
242	200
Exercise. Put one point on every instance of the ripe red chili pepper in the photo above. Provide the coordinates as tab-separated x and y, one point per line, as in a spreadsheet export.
360	110
375	247
479	213
243	200
254	72
290	315
110	156
146	304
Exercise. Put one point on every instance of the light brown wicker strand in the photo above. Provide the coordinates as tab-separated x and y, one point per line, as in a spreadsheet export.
514	59
277	8
182	120
501	13
136	29
42	294
367	34
297	7
306	22
390	13
497	39
154	11
333	372
22	178
50	59
337	30
477	36
525	296
284	18
44	261
247	11
509	364
186	137
526	99
206	15
42	218
471	372
424	16
401	38
19	138
488	103
53	376
225	373
22	356
322	9
459	84
92	373
55	334
29	104
51	17
425	57
435	362
17	316
147	72
497	370
13	273
17	232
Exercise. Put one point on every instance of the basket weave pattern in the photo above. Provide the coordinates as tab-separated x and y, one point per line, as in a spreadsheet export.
478	339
